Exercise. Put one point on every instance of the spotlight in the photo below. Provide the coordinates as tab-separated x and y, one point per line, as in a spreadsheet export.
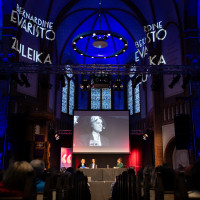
145	136
186	81
57	137
147	133
101	80
95	37
85	85
105	37
118	85
25	80
174	81
16	79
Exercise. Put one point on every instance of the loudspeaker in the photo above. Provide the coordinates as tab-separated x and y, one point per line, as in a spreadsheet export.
182	131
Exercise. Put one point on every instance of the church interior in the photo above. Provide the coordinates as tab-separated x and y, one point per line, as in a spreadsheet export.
101	57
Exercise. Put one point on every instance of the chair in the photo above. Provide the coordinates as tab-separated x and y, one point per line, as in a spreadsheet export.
68	187
48	187
131	180
147	186
180	187
138	187
59	193
160	193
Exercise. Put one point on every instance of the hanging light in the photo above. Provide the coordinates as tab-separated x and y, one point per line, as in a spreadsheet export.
117	85
100	38
174	81
85	85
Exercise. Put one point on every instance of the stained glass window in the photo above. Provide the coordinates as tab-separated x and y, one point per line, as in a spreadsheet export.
100	98
106	98
68	70
65	96
132	70
137	99
71	97
130	97
68	92
95	98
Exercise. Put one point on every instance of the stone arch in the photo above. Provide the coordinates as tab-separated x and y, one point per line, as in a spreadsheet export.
168	154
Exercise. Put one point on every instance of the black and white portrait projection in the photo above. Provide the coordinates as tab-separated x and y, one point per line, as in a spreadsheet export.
101	132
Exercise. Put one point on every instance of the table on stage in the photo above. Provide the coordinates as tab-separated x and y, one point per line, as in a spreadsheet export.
101	180
103	174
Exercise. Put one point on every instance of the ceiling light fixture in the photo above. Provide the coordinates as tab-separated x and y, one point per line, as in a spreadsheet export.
100	38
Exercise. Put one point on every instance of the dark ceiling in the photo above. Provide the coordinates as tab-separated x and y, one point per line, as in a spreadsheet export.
72	18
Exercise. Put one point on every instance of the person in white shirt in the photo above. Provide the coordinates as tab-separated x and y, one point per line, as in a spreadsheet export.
93	164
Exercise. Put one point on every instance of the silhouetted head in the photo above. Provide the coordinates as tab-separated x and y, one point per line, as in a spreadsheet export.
16	174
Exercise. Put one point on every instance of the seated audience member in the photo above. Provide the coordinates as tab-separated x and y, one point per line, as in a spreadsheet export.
153	175
180	168
194	181
168	177
38	166
93	164
82	164
70	170
119	163
14	179
63	170
131	171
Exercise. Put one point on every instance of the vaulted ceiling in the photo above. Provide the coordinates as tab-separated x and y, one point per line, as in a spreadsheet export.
125	17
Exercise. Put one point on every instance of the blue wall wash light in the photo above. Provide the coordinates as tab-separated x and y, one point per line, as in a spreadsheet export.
100	37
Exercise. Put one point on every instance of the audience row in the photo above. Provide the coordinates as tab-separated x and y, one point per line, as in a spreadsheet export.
23	179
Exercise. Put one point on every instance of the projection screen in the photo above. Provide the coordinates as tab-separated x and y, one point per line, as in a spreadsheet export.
101	132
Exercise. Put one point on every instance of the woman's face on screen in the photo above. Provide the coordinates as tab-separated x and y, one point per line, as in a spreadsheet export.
97	125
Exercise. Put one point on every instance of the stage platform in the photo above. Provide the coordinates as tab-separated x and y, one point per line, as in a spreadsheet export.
103	174
100	190
100	181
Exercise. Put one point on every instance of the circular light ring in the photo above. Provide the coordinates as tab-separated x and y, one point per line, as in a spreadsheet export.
100	32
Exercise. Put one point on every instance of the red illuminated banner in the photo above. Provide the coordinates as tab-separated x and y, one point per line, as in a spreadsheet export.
66	157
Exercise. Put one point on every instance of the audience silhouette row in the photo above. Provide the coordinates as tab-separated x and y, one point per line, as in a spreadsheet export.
27	180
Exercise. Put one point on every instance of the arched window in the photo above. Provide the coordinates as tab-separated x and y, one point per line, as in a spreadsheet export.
100	98
65	97
95	98
68	92
137	99
106	98
71	97
130	97
133	95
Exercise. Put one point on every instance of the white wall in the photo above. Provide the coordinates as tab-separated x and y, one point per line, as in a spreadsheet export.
179	156
168	133
33	89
